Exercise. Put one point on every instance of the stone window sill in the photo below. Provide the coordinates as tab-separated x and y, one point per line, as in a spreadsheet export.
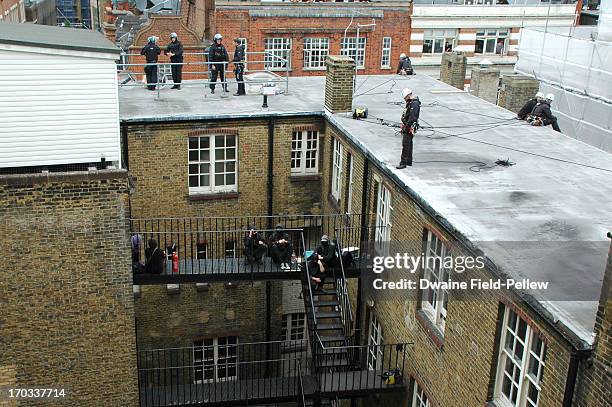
434	333
304	177
333	202
213	196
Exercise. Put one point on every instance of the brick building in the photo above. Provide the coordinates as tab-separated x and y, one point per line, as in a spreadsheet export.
12	11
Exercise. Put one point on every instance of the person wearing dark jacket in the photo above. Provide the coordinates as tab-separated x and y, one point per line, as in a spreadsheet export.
151	53
154	258
326	252
410	121
217	56
175	51
238	61
543	113
280	248
405	66
529	106
254	246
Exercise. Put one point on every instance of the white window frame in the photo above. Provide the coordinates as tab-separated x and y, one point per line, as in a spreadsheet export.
336	187
280	47
419	397
375	341
316	50
445	36
492	35
517	334
305	152
384	211
244	42
349	196
212	162
435	301
356	50
218	359
385	58
293	327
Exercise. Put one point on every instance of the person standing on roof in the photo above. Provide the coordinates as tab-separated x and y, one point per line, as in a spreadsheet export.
217	57
151	53
410	122
175	51
238	61
529	106
405	66
543	115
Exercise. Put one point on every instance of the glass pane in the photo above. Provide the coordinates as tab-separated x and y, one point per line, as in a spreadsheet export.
193	181
490	47
230	153
193	143
219	154
427	46
230	179
204	180
230	167
204	155
193	168
438	46
204	142
219	179
193	156
479	47
219	141
219	167
204	168
230	140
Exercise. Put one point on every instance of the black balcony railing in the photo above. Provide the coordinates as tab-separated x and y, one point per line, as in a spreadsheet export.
233	373
209	249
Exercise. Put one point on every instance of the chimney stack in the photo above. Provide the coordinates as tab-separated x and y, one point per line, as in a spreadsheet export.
453	68
339	83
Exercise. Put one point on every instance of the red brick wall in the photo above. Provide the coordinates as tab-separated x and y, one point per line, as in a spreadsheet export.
5	5
232	23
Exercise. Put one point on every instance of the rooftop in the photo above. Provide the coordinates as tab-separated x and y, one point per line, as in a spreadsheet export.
63	38
557	190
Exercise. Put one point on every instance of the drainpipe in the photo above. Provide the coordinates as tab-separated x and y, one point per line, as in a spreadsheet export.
572	374
362	239
270	210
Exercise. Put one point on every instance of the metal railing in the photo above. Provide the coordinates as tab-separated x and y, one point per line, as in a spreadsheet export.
216	245
303	396
358	367
222	373
344	301
127	74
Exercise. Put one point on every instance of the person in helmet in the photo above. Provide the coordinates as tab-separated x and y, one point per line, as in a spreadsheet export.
410	122
529	106
405	66
151	53
217	57
175	51
543	114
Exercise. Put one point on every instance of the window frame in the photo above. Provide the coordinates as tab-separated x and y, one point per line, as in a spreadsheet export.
215	366
419	397
337	170
384	212
375	341
289	327
386	53
349	46
486	37
303	154
272	64
435	309
320	52
448	35
524	364
349	193
212	162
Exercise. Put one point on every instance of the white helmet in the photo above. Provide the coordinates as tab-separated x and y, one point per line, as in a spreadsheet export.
402	55
406	92
218	37
550	97
173	35
540	95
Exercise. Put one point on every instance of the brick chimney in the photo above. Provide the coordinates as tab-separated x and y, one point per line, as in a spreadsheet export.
453	68
485	82
339	83
516	90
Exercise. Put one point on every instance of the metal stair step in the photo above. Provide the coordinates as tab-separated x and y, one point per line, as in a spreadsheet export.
336	362
324	303
327	314
324	292
333	338
328	327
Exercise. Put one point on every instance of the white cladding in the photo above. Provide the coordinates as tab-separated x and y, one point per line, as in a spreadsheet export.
57	107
